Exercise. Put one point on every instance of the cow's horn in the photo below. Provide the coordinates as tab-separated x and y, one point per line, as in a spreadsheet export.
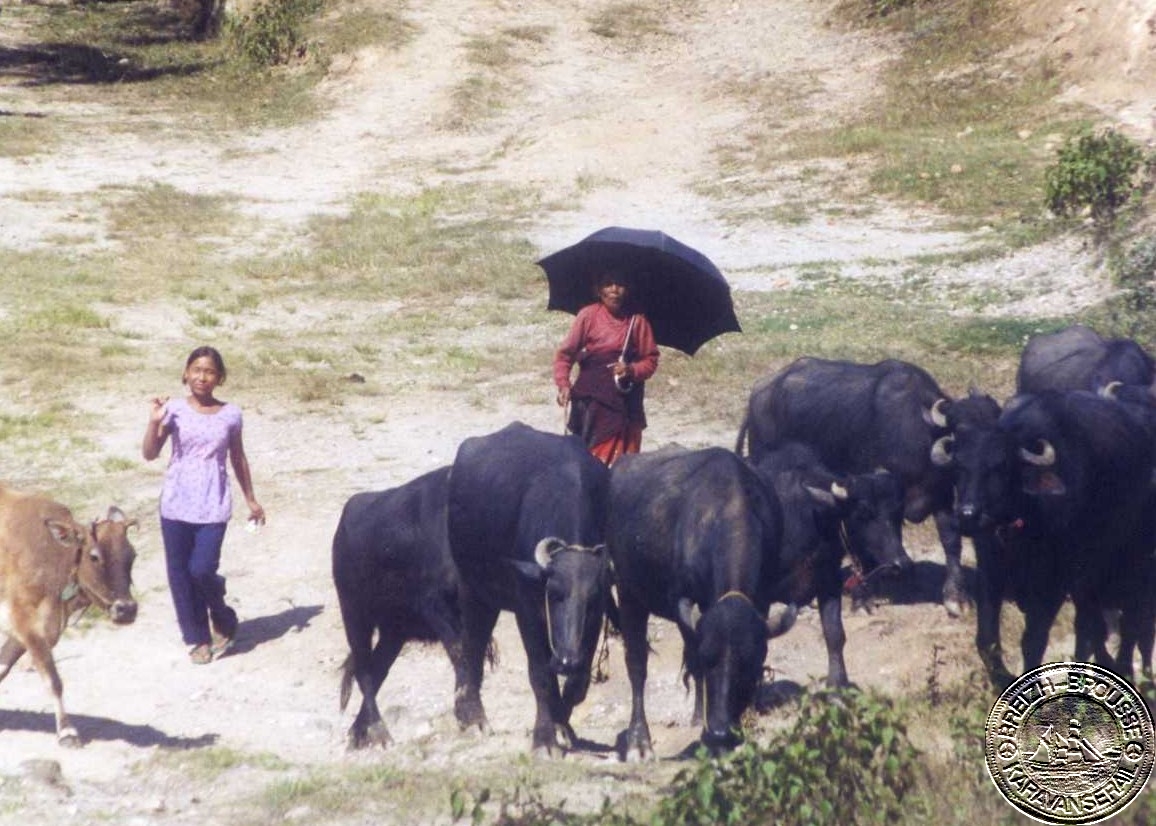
544	551
839	492
115	514
938	414
941	450
1044	458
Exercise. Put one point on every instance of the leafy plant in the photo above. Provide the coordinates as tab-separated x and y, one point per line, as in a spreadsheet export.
1096	171
847	760
272	34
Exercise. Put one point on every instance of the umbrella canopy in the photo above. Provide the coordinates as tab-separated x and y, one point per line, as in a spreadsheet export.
683	294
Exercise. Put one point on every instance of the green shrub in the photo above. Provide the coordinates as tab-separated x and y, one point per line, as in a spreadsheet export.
272	33
847	760
1134	273
1093	171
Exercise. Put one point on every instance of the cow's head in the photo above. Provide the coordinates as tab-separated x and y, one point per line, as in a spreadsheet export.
728	654
576	581
105	569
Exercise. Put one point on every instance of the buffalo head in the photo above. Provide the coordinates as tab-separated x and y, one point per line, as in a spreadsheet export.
576	582
730	647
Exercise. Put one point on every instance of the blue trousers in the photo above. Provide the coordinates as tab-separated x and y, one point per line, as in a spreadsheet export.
192	556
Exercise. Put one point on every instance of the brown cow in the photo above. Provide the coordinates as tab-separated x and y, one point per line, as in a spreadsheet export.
50	568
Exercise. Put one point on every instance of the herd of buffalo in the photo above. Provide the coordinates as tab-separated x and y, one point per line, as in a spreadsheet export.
1055	490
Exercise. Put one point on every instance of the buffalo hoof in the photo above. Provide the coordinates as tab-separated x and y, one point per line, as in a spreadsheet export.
955	602
373	735
545	748
470	714
564	736
633	749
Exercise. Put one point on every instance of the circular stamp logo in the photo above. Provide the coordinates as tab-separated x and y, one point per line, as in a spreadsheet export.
1070	743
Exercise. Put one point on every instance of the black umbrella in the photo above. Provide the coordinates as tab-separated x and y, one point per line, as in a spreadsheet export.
683	294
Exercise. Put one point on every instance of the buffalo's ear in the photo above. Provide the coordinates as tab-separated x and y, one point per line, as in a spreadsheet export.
1044	483
821	496
529	570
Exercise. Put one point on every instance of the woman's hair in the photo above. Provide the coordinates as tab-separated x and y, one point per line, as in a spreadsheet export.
213	355
609	275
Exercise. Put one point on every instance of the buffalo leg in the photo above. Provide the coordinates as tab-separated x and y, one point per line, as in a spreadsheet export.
955	598
634	743
368	728
831	618
1038	619
1092	634
543	682
478	621
988	602
452	637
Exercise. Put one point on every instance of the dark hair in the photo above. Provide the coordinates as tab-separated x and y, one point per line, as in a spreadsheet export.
212	354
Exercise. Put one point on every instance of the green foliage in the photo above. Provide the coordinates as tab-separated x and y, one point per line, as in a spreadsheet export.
272	34
1096	171
1134	275
847	760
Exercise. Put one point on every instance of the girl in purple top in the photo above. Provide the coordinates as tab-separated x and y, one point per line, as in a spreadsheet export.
196	500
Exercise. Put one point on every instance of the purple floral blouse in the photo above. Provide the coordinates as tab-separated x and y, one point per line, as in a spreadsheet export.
196	487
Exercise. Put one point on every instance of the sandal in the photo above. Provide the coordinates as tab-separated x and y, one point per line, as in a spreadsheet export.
201	655
224	633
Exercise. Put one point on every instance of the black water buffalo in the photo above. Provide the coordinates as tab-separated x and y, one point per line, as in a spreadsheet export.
827	516
1060	503
1079	358
860	417
694	536
526	522
395	578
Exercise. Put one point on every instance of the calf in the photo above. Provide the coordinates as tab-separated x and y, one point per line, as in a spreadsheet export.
395	578
694	536
828	516
50	568
526	515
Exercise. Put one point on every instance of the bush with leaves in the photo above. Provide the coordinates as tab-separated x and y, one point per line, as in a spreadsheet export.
272	33
847	760
1096	171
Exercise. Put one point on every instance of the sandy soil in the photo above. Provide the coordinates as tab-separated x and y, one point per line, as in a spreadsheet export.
638	122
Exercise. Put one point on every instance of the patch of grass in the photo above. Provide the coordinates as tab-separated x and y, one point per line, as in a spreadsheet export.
629	21
496	62
956	128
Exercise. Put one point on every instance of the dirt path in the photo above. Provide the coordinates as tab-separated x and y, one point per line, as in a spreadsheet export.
625	132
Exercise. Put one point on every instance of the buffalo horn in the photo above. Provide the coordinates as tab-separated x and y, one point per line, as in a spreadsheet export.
544	551
839	492
688	613
937	414
780	622
1108	391
1044	458
941	450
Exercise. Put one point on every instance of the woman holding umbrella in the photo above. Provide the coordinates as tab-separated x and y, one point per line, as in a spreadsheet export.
615	350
